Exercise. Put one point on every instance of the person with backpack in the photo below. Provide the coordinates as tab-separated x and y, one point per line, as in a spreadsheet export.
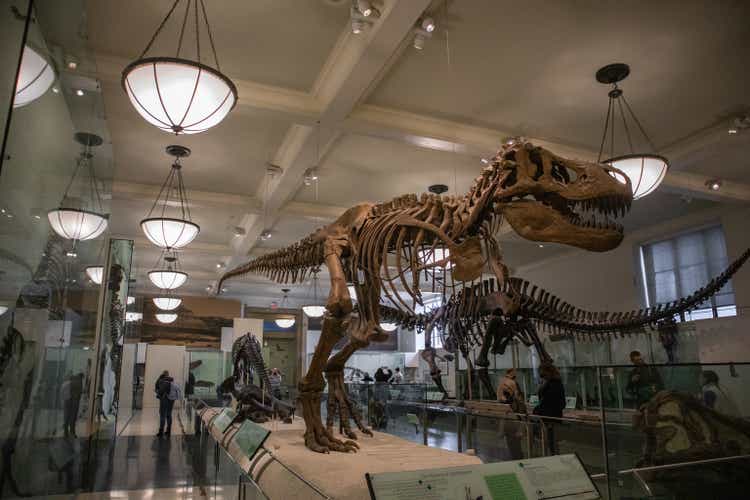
167	392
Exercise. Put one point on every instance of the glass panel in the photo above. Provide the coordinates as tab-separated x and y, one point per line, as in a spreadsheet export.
47	385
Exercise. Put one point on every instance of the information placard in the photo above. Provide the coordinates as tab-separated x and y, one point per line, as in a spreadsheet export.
561	477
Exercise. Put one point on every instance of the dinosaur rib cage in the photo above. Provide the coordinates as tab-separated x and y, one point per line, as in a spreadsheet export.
465	317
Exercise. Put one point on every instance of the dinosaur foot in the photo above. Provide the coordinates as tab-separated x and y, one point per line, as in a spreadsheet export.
339	403
317	437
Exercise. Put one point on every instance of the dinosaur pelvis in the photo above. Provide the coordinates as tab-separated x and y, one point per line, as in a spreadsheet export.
467	260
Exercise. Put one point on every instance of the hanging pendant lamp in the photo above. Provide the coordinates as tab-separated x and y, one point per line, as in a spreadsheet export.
79	224
95	274
315	309
169	276
34	77
180	95
646	171
171	232
285	322
166	317
167	303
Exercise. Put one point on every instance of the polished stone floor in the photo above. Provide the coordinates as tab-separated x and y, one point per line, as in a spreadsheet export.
136	464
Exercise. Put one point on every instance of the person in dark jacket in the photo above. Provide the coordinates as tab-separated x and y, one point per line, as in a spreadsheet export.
644	380
551	402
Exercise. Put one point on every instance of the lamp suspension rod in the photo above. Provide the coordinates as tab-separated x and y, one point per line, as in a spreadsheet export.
638	122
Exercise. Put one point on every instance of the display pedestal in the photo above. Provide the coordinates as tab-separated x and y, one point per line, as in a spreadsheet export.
339	475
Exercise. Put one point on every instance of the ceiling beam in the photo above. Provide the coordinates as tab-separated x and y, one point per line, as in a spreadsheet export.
132	191
354	64
304	109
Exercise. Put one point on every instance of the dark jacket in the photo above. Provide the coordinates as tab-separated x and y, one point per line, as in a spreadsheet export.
551	399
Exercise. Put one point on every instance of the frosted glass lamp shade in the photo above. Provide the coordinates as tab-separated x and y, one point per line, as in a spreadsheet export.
428	257
285	322
388	327
3	310
75	224
167	303
167	279
314	311
34	78
178	95
169	233
646	172
166	317
95	273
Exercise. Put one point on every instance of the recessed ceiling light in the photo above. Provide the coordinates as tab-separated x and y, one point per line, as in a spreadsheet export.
732	131
219	265
223	290
266	235
357	26
55	90
79	92
713	184
541	246
208	288
428	24
72	64
72	254
485	161
419	41
364	7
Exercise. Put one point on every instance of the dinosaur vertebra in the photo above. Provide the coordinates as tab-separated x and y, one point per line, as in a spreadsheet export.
386	249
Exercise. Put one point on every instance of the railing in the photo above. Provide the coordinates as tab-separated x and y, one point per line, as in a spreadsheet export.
598	424
252	472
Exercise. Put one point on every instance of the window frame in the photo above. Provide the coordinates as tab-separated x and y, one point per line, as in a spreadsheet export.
641	277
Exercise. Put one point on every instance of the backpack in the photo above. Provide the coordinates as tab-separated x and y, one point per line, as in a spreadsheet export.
162	388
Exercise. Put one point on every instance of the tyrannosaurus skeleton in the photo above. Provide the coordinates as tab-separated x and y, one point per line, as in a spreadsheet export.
386	249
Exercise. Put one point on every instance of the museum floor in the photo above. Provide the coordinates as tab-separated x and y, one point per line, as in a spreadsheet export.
139	465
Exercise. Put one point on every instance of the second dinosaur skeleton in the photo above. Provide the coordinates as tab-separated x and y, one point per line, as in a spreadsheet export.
475	317
386	249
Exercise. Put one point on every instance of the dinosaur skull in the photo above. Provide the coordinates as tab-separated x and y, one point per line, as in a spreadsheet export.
551	199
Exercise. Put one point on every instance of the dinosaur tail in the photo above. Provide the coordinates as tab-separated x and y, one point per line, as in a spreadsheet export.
566	319
286	265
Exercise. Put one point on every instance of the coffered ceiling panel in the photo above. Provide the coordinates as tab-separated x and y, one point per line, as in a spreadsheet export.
528	67
276	42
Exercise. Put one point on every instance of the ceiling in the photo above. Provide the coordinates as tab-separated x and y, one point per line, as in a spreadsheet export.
514	69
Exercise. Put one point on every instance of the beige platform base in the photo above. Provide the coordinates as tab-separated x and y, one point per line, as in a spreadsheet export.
341	475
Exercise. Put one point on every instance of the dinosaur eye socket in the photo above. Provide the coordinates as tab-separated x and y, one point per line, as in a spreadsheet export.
562	174
536	158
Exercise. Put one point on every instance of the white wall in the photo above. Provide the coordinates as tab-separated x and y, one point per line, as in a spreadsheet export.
609	281
158	359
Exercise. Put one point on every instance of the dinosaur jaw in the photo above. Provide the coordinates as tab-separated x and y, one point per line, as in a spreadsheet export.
586	224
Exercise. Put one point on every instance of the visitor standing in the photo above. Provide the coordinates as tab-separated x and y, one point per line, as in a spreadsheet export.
509	393
398	377
168	391
275	380
644	380
715	397
551	402
72	389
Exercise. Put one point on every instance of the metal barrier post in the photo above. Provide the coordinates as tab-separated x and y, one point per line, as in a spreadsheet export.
459	433
603	421
425	423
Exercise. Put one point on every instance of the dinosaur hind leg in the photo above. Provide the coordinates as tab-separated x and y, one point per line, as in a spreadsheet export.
338	310
339	401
